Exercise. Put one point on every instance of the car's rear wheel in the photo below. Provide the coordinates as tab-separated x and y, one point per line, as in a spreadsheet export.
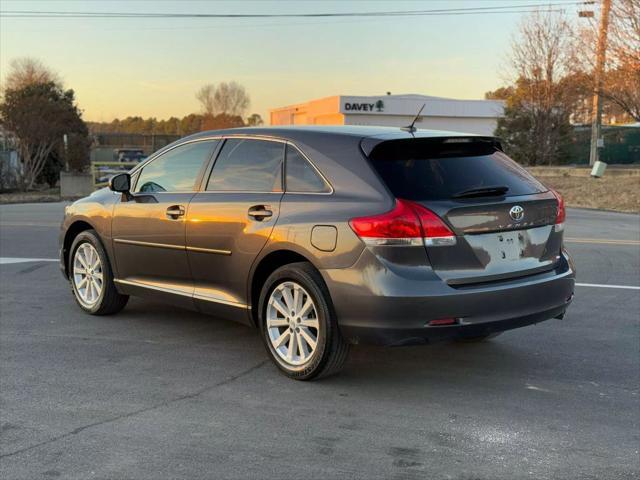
91	276
298	324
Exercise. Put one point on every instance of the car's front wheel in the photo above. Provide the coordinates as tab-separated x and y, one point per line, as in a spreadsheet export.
298	323
91	276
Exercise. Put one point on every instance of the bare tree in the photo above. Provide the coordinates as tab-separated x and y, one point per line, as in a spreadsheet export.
540	53
624	35
206	98
621	88
27	71
255	120
231	98
536	123
622	81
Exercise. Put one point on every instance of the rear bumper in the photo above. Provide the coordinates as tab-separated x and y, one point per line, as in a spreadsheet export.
424	335
377	304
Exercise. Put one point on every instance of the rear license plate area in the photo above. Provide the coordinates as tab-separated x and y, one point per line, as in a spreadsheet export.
508	246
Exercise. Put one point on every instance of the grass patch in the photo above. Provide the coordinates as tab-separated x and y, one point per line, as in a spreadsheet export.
40	196
620	193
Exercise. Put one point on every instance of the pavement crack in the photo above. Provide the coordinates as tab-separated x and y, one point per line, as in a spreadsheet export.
32	268
188	396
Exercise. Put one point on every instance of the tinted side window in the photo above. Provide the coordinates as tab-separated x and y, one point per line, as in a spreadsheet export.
248	165
176	170
301	176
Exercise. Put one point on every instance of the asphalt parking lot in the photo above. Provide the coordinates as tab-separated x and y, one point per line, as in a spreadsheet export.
161	393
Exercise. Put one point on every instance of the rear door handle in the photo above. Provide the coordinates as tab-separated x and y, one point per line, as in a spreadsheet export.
260	212
175	211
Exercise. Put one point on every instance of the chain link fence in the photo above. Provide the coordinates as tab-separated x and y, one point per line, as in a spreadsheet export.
621	145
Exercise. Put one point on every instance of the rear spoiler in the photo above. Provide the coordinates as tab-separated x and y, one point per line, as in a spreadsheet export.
368	144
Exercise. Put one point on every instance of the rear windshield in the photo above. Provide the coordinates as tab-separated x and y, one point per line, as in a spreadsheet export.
438	169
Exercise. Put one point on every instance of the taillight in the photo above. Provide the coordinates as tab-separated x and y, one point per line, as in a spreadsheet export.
435	231
561	213
409	223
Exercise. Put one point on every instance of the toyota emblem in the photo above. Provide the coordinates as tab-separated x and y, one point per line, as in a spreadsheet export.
517	213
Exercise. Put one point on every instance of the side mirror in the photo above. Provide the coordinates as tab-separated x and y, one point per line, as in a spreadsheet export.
120	183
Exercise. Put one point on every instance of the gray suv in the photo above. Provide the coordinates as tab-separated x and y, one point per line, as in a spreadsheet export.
322	237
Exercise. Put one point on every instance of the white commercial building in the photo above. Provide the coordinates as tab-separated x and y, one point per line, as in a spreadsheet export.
469	116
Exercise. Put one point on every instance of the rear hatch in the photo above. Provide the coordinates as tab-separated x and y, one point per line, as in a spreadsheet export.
504	220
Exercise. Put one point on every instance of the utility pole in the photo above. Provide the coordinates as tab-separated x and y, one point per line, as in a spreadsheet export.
65	142
596	112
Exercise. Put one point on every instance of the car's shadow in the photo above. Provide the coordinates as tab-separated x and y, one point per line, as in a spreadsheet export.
503	359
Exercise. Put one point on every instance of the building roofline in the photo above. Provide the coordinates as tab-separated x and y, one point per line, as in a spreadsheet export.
402	96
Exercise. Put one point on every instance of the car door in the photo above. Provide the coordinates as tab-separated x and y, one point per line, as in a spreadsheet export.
148	227
230	220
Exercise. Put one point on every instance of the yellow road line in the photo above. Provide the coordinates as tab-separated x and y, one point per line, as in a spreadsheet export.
603	241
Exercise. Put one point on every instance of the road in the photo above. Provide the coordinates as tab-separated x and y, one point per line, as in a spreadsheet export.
158	393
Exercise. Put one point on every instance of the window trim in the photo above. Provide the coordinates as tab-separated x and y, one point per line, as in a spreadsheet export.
200	187
198	180
316	169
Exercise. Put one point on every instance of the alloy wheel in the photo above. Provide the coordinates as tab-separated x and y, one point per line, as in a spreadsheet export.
88	278
292	323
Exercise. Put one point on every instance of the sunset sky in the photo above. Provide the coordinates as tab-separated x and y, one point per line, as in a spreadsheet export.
152	67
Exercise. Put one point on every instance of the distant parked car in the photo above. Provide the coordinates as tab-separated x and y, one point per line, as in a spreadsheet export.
130	155
325	237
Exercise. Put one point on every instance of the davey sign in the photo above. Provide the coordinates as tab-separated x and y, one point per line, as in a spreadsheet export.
364	107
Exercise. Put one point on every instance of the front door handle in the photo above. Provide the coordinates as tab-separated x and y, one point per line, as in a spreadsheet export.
175	211
260	212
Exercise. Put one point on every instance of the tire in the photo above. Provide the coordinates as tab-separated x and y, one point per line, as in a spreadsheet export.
478	339
300	361
86	246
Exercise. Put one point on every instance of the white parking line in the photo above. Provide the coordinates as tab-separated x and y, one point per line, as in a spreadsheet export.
8	260
599	285
29	224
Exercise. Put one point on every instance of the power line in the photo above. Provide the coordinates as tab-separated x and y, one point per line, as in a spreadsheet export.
290	23
380	17
398	13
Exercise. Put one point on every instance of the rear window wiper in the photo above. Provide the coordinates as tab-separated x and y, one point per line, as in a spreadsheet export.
488	191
